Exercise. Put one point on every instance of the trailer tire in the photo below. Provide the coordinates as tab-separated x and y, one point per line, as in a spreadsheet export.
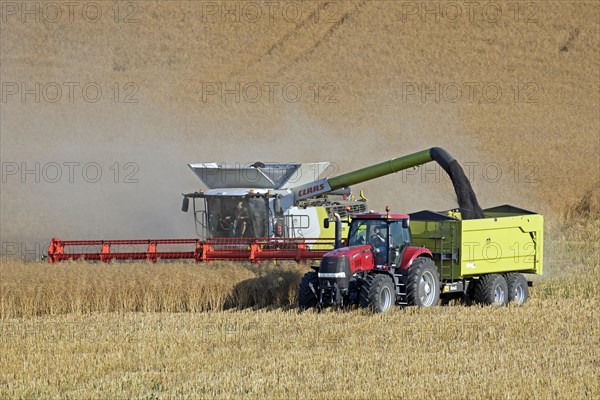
306	297
469	295
491	289
518	290
378	293
423	287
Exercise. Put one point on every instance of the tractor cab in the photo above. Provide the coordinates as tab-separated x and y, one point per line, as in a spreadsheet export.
388	235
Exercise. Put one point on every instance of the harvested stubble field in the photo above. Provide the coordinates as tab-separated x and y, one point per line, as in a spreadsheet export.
79	330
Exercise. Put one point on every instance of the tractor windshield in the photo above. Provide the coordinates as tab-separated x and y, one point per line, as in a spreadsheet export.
236	216
375	232
368	231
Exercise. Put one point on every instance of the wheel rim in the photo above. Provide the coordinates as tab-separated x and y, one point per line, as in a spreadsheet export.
519	294
499	295
427	289
385	298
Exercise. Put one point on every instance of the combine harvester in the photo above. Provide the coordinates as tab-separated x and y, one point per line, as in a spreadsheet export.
267	211
253	212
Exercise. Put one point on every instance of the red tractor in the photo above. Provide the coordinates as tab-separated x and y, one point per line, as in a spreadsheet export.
377	269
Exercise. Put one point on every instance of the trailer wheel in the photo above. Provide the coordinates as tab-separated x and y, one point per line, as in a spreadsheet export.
469	295
518	290
306	297
423	283
378	293
491	289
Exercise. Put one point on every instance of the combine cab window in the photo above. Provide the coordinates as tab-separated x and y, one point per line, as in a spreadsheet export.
237	217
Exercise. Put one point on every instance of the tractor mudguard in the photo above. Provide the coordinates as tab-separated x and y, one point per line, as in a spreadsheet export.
411	254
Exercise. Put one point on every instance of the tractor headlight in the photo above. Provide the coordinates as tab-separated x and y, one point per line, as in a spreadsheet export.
326	275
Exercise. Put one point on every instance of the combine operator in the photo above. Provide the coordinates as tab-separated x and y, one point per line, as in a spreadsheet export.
241	220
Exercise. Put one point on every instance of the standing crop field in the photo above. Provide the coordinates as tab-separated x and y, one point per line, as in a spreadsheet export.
80	287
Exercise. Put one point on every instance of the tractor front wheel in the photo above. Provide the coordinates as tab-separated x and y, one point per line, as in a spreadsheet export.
307	292
378	293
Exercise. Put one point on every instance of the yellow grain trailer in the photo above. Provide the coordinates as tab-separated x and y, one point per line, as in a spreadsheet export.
484	258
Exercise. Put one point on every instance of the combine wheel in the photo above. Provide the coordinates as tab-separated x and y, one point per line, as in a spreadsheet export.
378	293
423	283
306	297
518	290
491	289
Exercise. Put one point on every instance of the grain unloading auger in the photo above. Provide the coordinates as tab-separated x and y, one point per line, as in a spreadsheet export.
265	211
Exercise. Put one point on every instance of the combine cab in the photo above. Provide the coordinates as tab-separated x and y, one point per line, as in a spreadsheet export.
260	201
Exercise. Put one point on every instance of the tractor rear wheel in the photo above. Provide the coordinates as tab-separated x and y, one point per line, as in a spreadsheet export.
518	290
491	289
307	298
423	283
378	293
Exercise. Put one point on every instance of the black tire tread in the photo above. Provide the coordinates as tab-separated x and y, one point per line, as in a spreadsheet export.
365	290
484	289
306	297
512	279
369	294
